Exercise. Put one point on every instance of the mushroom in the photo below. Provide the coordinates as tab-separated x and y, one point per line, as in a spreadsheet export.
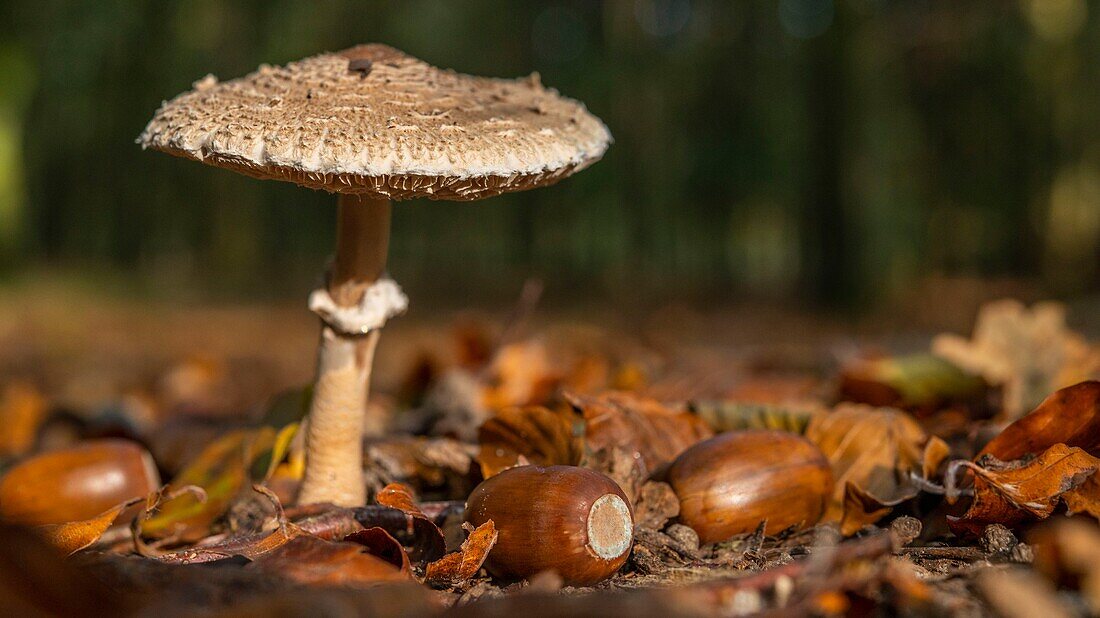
372	124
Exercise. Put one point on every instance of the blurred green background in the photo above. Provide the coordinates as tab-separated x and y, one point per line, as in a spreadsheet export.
823	152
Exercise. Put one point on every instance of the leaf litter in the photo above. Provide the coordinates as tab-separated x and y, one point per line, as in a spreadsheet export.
930	500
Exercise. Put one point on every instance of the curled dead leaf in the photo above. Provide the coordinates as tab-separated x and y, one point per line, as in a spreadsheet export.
1070	416
462	565
542	436
875	451
74	536
381	544
420	534
1011	493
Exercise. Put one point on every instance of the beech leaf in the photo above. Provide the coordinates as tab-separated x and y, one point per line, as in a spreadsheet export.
1070	416
74	536
1010	493
460	566
874	452
424	539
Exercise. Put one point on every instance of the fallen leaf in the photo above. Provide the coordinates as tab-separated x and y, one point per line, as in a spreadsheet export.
1030	352
460	566
380	544
398	496
643	426
1010	493
874	450
223	470
543	437
313	561
861	507
1070	416
436	464
74	536
918	383
263	467
420	534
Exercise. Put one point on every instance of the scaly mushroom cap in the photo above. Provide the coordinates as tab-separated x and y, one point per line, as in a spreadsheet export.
376	121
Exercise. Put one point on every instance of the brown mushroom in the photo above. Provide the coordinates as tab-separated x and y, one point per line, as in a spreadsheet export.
372	125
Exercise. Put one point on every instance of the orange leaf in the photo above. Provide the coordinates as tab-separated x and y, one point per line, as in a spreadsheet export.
1070	416
1015	492
398	496
873	449
422	536
74	536
460	566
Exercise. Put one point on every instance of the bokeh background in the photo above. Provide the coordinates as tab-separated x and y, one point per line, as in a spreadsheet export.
841	154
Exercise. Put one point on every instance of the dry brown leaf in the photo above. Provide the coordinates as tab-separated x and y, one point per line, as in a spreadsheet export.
460	566
643	426
1085	498
861	507
1030	352
875	450
400	497
423	538
74	536
313	561
541	436
421	462
1070	416
381	544
1010	493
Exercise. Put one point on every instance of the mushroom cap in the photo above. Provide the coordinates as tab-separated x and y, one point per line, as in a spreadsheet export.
373	120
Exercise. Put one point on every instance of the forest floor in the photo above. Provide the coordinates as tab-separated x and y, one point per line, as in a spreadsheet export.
962	438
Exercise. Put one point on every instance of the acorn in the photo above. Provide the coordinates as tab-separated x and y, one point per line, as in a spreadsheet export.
573	521
730	483
76	483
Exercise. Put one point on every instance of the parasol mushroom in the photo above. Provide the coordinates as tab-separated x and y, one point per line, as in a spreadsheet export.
372	124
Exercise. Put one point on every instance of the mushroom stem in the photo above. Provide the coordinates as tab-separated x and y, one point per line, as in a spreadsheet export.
334	442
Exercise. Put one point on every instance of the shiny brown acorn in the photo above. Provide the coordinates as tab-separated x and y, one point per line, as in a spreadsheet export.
76	483
574	521
730	483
